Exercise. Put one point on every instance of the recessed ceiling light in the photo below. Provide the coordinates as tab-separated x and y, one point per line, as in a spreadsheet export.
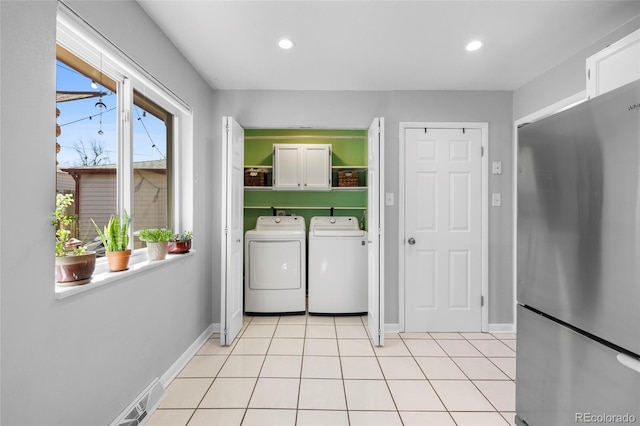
474	45
286	43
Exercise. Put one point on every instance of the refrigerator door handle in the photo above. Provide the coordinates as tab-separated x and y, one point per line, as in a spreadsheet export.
630	362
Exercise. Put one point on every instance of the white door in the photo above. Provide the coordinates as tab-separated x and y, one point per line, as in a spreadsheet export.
443	229
317	167
375	227
232	228
287	167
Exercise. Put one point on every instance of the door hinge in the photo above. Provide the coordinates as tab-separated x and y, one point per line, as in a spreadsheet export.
226	332
226	230
482	151
589	74
481	300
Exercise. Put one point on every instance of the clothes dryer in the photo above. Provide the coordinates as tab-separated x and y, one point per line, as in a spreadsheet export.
337	266
275	270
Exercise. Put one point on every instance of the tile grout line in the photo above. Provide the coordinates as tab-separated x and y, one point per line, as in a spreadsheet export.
476	386
304	345
384	376
429	380
344	385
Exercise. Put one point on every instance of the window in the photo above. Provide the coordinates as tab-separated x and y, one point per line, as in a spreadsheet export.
87	141
152	130
119	135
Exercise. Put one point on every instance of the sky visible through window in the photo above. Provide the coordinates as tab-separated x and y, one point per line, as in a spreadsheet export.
80	124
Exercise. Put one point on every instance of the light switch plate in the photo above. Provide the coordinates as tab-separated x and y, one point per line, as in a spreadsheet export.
496	199
388	199
496	167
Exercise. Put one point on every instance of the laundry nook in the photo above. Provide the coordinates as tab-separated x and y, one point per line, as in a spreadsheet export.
305	210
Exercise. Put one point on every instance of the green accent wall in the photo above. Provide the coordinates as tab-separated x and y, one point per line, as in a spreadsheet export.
349	148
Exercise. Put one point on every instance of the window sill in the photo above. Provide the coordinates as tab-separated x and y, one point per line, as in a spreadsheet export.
102	276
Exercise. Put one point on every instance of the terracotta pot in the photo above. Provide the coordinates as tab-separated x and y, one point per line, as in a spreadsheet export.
75	269
177	247
157	251
118	260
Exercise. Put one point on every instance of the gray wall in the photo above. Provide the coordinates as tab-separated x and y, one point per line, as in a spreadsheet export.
344	109
82	360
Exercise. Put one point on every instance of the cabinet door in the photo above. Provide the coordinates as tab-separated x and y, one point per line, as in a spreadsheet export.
317	167
287	167
614	66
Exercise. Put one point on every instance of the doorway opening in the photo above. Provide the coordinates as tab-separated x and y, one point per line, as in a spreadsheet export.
367	204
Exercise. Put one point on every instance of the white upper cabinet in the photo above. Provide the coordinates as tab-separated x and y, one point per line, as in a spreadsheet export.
614	66
287	167
299	167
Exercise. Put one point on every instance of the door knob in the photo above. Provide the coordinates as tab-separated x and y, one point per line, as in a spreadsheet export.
411	241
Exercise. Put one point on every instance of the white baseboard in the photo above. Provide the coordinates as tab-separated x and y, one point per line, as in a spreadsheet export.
493	328
181	362
502	328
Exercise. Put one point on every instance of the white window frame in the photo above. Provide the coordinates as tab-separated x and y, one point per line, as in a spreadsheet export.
77	36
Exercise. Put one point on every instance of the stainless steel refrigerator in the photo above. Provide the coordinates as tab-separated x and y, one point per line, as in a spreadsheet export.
578	313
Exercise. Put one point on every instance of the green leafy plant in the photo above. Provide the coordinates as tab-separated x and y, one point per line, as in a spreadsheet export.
156	235
183	236
115	235
65	245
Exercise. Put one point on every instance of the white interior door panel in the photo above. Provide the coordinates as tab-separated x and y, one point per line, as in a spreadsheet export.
443	229
232	286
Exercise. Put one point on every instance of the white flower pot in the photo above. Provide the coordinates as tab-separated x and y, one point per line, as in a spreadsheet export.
157	251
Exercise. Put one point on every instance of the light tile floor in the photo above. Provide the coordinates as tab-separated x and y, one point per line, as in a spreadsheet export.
317	370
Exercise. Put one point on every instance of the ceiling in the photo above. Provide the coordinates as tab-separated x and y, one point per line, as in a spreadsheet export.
382	45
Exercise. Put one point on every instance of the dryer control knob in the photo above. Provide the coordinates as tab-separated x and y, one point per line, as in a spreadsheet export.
278	220
332	220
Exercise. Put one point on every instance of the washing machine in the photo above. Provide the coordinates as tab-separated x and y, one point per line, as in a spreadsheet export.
337	266
275	265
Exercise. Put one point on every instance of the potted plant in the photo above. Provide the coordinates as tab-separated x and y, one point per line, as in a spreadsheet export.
115	238
157	241
181	243
74	264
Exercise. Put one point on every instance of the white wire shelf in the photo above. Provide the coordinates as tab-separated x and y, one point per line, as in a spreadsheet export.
305	207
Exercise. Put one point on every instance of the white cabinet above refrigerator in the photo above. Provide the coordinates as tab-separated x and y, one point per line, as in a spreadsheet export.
614	66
